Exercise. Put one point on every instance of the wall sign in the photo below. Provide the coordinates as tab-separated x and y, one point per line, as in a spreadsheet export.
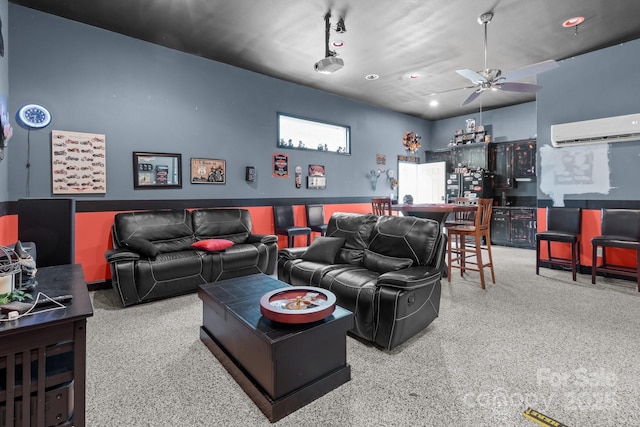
280	165
208	171
316	179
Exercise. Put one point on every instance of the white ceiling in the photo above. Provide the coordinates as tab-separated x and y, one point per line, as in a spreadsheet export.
284	38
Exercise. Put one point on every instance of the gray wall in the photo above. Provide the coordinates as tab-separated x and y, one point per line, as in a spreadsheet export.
4	92
145	97
504	124
595	85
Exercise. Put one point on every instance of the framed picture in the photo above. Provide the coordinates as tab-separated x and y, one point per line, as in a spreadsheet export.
78	163
157	170
304	134
208	171
470	125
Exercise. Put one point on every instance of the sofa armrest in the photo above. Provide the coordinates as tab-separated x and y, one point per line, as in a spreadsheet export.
119	255
262	238
292	253
410	278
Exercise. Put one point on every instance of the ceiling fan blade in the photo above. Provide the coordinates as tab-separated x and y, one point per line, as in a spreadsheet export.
530	70
472	97
451	90
474	76
519	87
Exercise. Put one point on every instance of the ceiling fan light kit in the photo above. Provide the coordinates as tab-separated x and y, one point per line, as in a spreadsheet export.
492	78
330	63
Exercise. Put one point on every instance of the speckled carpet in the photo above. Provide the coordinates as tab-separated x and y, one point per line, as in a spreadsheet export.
566	349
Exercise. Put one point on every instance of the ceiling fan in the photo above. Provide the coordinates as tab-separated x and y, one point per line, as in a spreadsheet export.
492	78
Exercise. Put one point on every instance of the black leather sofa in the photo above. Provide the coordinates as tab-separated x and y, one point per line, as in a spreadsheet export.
385	269
153	257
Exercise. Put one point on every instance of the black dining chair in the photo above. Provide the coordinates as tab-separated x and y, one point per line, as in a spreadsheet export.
620	229
563	226
284	225
315	218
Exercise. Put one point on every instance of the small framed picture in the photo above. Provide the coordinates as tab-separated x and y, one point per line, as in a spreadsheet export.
156	170
208	171
470	125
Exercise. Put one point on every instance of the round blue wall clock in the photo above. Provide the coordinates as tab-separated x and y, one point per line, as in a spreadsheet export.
33	116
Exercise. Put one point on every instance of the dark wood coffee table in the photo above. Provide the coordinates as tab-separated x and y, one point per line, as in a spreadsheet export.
281	367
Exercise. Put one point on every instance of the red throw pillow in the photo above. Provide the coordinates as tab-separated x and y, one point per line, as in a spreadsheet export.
212	245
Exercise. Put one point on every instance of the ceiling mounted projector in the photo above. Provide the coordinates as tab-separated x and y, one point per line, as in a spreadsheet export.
328	65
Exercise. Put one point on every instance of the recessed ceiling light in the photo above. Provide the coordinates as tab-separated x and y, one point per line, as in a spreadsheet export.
337	43
414	75
372	77
572	22
434	103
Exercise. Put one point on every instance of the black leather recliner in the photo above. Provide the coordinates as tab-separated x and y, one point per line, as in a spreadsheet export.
387	271
152	256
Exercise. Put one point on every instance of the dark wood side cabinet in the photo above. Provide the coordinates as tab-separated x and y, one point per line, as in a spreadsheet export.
43	356
514	227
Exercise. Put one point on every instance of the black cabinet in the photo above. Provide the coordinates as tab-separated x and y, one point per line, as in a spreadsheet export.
500	225
514	227
473	156
524	159
512	161
502	160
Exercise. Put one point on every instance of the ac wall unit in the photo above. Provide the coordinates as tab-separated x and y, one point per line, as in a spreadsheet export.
598	131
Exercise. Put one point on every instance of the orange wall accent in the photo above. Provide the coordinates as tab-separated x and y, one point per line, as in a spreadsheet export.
590	228
93	239
93	233
8	229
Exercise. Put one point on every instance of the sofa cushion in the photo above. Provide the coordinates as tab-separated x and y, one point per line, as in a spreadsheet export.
356	230
213	245
141	246
323	249
383	263
229	224
167	230
406	237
